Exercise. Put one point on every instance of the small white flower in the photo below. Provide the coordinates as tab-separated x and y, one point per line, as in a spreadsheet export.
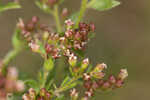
69	22
123	74
86	61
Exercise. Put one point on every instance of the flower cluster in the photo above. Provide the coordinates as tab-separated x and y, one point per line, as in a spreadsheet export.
94	80
9	83
54	44
33	95
78	37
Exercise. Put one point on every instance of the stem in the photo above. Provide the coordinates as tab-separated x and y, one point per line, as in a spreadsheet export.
44	79
82	11
61	89
9	57
57	19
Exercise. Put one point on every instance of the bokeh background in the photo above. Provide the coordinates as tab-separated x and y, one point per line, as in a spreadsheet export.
122	41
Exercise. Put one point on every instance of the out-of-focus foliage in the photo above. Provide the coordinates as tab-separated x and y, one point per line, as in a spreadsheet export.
103	4
11	5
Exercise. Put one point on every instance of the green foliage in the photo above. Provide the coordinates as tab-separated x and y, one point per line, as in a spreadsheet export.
11	5
79	70
101	5
61	97
17	41
49	64
43	7
32	83
66	80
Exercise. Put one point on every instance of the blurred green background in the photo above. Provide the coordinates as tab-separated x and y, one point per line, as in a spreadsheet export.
122	41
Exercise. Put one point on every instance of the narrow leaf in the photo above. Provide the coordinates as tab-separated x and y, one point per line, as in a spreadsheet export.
9	6
101	5
66	80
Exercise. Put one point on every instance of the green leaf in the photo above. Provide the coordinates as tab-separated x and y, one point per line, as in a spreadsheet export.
61	97
17	40
61	1
74	16
42	48
49	64
32	84
102	5
66	80
9	6
43	7
115	3
69	86
89	68
91	35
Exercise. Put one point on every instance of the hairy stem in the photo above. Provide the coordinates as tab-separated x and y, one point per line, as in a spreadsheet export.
57	19
82	11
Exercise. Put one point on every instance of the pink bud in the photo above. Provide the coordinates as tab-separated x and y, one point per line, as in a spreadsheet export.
112	79
20	86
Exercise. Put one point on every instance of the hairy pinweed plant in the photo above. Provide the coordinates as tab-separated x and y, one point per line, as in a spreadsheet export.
68	41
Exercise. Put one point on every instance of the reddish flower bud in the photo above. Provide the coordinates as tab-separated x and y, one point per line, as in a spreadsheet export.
52	2
106	85
69	22
88	84
92	27
30	26
35	19
112	79
40	98
48	96
95	85
100	82
64	13
48	48
119	83
20	86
